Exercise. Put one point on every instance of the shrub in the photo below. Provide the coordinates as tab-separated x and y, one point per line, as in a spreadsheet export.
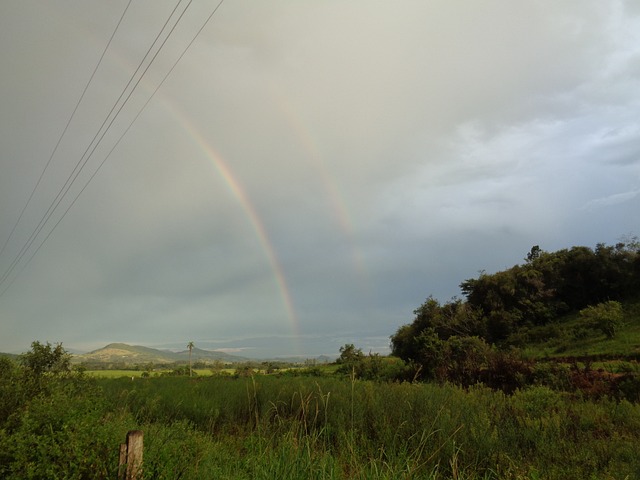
628	387
507	371
606	317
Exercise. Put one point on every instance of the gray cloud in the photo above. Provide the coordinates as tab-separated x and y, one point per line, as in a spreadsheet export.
348	158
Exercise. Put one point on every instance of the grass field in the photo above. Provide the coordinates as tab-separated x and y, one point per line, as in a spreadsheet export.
338	428
318	427
114	373
201	372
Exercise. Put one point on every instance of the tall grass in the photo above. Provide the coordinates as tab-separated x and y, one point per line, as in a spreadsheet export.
265	427
332	428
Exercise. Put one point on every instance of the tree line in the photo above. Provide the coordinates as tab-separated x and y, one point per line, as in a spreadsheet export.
475	339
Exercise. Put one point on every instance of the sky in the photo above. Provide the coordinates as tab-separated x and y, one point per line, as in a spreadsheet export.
295	175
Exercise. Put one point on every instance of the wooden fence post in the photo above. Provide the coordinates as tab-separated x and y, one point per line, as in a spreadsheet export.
122	461
130	462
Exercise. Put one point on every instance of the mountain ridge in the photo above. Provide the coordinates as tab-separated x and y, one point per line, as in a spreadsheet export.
138	354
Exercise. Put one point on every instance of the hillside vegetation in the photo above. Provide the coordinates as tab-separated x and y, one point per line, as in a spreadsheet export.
55	423
577	302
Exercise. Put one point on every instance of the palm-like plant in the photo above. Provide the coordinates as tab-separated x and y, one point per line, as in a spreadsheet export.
190	346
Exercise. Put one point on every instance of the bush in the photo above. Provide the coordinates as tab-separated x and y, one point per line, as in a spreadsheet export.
606	317
63	432
507	371
628	387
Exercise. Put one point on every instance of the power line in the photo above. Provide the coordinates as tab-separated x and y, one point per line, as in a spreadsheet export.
122	135
85	158
55	149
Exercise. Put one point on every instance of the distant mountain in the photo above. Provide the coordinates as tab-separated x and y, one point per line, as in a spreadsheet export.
200	355
136	354
12	356
325	359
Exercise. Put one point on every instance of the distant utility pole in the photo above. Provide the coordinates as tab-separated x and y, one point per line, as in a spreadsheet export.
190	346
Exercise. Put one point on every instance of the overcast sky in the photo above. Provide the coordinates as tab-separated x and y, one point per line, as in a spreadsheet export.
309	172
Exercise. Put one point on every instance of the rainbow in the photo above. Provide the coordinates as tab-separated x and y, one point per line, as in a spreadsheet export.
240	194
310	146
223	169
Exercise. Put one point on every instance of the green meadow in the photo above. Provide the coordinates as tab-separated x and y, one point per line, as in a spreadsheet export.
310	426
201	372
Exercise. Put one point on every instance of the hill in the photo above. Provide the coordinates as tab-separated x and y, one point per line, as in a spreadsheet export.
135	354
577	302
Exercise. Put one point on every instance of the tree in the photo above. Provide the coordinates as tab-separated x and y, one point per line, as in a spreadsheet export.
349	354
429	316
430	353
403	343
534	253
46	359
454	318
606	317
349	359
190	346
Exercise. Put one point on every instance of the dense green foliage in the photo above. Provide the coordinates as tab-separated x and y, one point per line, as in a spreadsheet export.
46	359
606	317
473	340
551	284
287	427
352	362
